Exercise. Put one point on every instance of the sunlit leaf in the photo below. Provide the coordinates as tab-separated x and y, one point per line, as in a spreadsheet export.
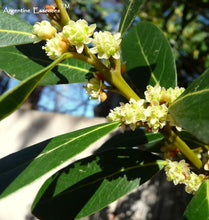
25	166
130	10
198	208
190	110
14	31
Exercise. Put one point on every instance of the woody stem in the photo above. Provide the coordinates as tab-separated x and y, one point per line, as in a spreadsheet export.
64	15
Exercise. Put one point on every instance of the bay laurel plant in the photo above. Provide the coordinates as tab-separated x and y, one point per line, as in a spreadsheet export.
170	122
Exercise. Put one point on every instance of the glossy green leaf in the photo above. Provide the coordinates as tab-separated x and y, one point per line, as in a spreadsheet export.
15	97
25	166
14	31
148	58
190	110
130	10
130	139
90	184
22	61
198	208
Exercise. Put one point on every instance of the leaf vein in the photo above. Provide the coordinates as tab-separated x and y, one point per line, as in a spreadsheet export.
72	140
190	94
146	59
40	155
75	67
16	32
126	15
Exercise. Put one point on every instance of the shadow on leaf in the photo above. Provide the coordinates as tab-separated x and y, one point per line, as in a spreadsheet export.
13	165
90	184
139	77
138	139
38	55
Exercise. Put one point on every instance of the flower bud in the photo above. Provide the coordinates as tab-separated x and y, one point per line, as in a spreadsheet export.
103	96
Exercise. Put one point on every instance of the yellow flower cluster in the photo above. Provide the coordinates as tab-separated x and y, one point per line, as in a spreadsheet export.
159	95
129	114
179	173
150	112
77	34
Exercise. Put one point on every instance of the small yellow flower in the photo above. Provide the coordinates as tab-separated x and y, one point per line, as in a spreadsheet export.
43	30
153	94
159	95
170	95
78	33
129	113
56	46
177	172
106	44
193	182
156	117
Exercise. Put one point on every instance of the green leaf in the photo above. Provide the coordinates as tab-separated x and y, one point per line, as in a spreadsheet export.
148	58
90	184
190	110
15	97
198	208
14	31
25	166
130	139
130	10
22	61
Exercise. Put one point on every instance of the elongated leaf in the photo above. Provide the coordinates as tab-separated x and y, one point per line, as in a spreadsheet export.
15	97
198	208
130	139
25	166
190	110
148	58
90	184
14	31
22	61
130	10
